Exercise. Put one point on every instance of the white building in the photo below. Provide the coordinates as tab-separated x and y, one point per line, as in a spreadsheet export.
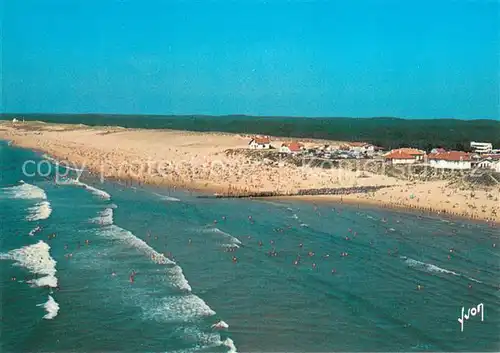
360	147
490	162
14	120
481	147
260	143
450	160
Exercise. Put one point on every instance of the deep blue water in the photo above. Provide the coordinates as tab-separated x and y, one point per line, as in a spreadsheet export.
186	279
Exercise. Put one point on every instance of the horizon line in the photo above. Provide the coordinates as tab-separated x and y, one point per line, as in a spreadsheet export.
254	116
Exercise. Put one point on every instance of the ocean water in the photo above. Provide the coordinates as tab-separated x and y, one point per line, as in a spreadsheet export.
277	276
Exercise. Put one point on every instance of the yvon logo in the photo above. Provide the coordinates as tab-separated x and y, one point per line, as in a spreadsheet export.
471	311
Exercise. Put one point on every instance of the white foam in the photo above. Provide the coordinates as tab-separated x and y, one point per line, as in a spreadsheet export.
36	258
230	344
427	267
26	191
97	192
216	230
432	268
34	231
220	325
51	307
178	279
129	238
203	340
167	198
41	210
105	217
184	308
230	246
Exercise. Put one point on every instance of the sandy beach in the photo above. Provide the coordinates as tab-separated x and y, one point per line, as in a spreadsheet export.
199	161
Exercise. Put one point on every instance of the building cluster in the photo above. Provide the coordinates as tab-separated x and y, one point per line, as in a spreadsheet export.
353	150
483	157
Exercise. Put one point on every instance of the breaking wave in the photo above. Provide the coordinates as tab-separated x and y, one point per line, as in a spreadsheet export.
25	191
40	211
215	230
433	268
97	192
51	307
36	259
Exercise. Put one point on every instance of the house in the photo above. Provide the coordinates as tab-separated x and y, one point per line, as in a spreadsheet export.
451	160
489	162
292	147
481	147
400	157
359	147
417	154
260	143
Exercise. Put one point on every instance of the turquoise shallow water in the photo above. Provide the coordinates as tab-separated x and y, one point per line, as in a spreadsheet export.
186	279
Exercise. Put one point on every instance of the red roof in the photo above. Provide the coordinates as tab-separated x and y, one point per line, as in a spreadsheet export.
358	144
452	156
261	140
410	151
293	146
396	154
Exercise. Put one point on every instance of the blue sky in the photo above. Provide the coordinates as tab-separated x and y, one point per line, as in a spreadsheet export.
411	58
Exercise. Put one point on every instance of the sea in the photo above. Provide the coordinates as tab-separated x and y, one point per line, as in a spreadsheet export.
99	266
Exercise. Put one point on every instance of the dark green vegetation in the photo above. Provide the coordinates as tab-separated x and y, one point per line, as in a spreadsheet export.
385	132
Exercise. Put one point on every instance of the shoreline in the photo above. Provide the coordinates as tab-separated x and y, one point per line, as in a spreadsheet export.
349	199
352	201
197	162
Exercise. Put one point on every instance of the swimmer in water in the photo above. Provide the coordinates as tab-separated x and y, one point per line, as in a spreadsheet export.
235	259
419	287
190	241
301	245
313	265
113	274
334	271
260	243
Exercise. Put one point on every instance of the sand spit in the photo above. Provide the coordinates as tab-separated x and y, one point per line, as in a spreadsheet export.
197	161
